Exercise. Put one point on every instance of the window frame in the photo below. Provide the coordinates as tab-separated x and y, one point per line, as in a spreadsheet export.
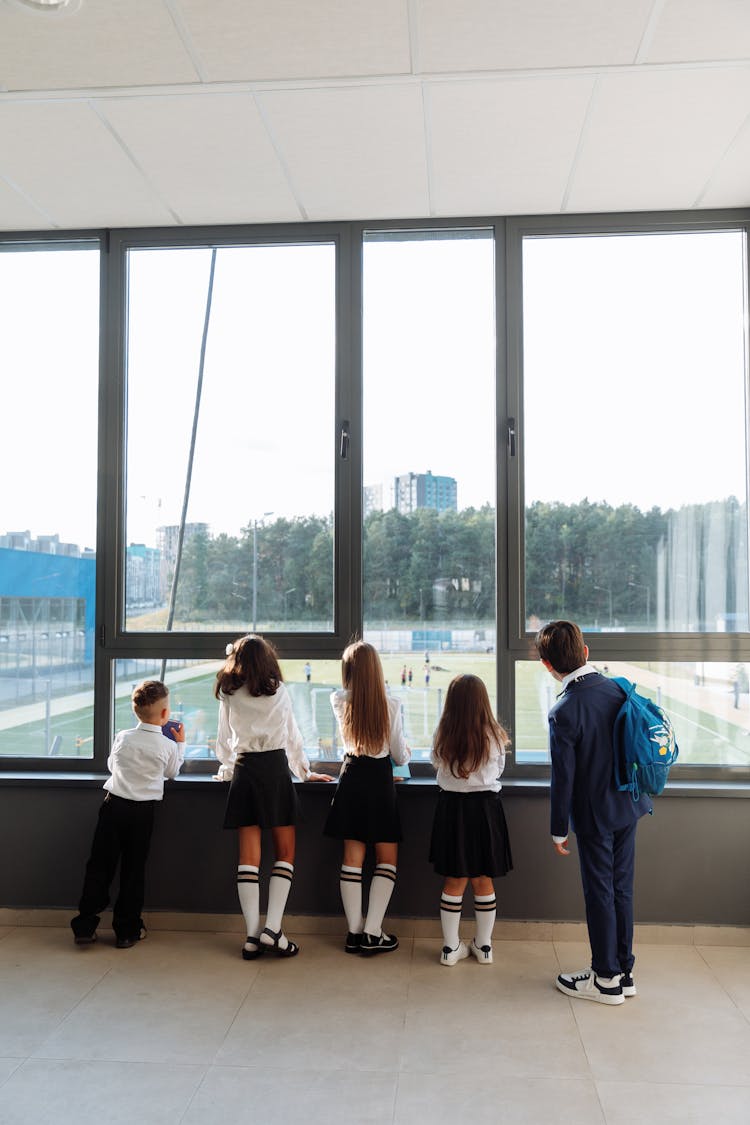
114	642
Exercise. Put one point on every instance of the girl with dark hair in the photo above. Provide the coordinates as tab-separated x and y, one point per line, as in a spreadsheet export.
258	741
469	835
363	810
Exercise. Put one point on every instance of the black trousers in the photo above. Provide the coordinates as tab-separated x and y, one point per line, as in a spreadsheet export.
607	871
123	834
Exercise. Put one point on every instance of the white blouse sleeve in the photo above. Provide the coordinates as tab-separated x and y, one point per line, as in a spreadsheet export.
398	748
295	746
224	753
498	755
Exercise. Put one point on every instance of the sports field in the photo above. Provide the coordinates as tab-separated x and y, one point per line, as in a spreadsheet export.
710	729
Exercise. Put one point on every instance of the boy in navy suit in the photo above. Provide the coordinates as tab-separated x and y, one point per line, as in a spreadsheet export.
583	793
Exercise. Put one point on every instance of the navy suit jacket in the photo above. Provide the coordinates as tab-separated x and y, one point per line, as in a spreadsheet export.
582	789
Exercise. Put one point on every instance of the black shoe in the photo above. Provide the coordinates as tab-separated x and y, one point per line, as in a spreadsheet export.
84	939
386	943
353	943
628	985
291	949
129	942
252	949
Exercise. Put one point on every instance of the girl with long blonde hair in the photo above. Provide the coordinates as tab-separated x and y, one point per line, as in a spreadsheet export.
364	811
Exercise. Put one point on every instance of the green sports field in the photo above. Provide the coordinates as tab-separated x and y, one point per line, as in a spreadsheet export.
711	733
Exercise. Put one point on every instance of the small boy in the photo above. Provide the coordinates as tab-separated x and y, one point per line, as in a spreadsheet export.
139	762
583	792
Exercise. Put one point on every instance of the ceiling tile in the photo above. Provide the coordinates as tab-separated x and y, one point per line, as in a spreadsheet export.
526	34
691	30
729	186
266	39
353	153
654	138
17	213
505	146
68	164
208	155
102	44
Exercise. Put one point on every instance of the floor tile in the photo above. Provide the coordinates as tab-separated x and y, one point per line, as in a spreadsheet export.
338	1097
88	1093
7	1066
634	1103
445	1099
731	967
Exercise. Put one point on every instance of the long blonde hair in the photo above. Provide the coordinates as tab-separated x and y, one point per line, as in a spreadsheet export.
466	727
365	722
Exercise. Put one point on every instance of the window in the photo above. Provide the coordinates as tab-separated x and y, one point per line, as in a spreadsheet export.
429	463
49	356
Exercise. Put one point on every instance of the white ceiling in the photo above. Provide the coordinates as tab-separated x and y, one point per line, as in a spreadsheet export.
166	112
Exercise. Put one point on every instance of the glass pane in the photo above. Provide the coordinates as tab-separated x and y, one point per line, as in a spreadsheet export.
708	704
230	448
635	432
48	462
429	462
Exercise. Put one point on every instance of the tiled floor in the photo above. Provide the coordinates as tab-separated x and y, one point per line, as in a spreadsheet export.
180	1029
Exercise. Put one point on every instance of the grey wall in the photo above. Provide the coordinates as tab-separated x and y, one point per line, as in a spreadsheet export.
693	863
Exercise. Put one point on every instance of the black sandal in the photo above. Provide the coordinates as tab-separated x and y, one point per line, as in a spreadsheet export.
291	950
251	954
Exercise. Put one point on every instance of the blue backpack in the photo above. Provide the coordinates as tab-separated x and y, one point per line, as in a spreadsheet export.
645	744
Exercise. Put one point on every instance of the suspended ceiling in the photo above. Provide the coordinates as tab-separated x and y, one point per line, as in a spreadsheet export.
169	112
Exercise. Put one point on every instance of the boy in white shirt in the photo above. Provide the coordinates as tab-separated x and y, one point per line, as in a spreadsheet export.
140	760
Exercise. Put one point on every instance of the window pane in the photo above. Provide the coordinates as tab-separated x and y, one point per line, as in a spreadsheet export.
230	460
635	432
708	703
49	357
429	463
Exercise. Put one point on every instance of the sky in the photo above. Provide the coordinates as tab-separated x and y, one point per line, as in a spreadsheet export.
628	343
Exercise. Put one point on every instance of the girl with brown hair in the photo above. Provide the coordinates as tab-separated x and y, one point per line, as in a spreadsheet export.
258	741
363	810
469	835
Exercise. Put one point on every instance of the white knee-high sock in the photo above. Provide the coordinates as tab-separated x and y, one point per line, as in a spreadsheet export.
381	889
350	883
450	918
485	911
278	892
249	896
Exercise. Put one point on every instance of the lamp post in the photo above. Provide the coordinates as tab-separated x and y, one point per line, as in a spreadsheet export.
255	568
285	596
643	586
607	590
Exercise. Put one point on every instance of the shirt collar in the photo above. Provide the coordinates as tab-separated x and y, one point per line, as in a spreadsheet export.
149	726
579	673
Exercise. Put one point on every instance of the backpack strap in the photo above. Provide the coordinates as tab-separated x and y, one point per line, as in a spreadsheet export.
628	688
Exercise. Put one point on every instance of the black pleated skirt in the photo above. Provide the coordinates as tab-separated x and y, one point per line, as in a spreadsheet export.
261	792
364	804
470	836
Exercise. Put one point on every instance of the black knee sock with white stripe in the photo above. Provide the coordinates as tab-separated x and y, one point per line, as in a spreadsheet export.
381	889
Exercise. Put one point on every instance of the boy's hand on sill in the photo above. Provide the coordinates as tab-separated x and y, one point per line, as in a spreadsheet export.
318	777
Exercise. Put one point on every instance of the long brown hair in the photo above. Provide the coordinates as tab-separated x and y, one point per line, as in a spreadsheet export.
365	723
466	727
252	663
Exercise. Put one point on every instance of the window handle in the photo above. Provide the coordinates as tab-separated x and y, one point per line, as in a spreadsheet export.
512	437
344	441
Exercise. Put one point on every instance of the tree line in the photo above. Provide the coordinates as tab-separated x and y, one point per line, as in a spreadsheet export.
589	561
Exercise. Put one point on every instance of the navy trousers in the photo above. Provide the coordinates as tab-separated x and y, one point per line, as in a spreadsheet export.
607	870
123	834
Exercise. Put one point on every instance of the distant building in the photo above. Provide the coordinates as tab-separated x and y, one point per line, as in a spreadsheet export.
167	538
423	490
143	583
372	499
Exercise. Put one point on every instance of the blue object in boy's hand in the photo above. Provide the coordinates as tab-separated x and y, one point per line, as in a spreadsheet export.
169	728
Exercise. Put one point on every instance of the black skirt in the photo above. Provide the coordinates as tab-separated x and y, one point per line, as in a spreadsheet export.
470	836
261	792
364	804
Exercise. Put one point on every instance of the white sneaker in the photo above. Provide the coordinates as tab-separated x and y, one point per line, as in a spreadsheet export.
453	956
483	954
588	986
628	985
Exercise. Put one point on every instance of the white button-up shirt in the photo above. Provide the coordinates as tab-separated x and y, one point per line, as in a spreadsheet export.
395	746
487	777
253	724
139	761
